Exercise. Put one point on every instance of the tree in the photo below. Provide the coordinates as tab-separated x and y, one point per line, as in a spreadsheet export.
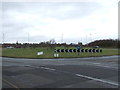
17	43
52	41
80	43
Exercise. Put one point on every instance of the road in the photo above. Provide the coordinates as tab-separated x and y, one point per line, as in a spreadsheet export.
94	72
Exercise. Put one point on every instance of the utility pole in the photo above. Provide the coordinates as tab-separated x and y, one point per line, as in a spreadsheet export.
28	37
86	39
3	38
91	36
62	38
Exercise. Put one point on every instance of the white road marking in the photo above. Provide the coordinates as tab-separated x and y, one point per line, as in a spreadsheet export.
61	64
40	67
96	63
92	78
31	66
96	79
47	68
84	76
52	69
106	66
10	84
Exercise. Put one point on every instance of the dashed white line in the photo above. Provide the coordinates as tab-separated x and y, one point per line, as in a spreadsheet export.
92	78
47	68
96	79
96	63
83	76
40	67
61	64
51	69
106	66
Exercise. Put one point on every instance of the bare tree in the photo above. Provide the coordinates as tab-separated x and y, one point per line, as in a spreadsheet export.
52	41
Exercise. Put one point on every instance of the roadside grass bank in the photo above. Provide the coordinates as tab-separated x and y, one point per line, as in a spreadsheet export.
0	51
49	53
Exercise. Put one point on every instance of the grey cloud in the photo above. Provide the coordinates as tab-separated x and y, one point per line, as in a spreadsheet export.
6	6
80	10
54	10
24	38
14	29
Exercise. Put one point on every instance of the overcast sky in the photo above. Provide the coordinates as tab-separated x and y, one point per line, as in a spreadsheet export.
68	22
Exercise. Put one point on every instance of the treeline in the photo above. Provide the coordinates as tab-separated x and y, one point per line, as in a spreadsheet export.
35	45
51	43
107	43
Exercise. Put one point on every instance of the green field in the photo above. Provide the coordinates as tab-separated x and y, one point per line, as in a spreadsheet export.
49	53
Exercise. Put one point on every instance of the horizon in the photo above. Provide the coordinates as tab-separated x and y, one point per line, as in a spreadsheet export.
55	42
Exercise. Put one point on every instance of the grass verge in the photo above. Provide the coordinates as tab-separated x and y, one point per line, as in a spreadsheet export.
49	53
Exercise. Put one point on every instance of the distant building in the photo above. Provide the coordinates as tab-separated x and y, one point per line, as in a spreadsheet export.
9	47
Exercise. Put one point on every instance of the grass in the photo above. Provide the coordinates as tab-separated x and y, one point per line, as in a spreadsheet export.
49	53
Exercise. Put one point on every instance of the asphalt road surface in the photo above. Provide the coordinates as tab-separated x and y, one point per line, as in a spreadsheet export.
94	72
